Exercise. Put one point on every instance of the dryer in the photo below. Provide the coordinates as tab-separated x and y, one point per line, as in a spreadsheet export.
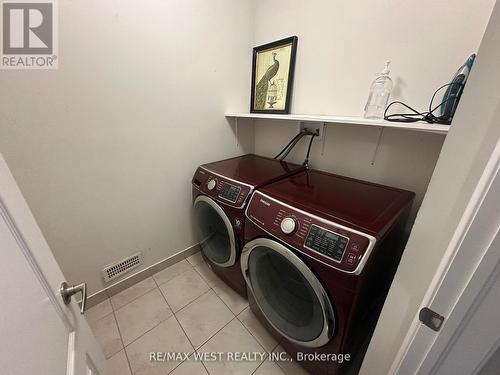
321	251
221	191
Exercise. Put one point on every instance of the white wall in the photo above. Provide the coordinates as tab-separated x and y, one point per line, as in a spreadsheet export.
341	46
465	153
104	148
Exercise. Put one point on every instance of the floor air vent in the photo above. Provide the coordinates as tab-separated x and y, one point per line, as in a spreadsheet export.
117	269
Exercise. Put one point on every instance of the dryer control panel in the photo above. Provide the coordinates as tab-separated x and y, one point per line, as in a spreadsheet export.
222	189
340	247
326	242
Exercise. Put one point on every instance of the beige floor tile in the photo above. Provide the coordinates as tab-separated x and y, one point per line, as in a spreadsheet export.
269	368
290	367
129	294
208	275
166	337
196	259
260	333
233	337
170	272
202	318
141	315
98	311
232	299
118	364
183	289
190	367
107	335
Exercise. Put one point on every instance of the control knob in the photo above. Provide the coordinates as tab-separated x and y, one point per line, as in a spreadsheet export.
288	225
211	184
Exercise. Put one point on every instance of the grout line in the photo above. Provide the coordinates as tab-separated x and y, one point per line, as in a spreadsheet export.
211	288
121	338
149	290
203	364
181	273
256	340
254	371
217	294
279	363
147	272
91	323
149	330
251	334
173	315
255	337
203	277
194	265
132	300
220	329
241	312
225	325
180	325
234	315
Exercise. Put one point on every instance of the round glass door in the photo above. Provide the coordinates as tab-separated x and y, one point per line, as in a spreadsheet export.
289	295
215	233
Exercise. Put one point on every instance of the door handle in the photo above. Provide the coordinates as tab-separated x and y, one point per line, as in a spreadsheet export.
67	291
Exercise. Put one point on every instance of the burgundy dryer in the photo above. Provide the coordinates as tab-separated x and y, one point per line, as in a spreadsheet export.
320	254
221	191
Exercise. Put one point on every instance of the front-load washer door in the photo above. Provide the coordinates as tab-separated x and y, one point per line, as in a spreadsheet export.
215	232
288	293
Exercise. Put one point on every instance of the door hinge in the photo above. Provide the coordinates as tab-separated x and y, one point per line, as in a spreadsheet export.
431	319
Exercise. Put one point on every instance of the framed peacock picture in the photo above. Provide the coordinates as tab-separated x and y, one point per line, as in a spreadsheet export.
272	76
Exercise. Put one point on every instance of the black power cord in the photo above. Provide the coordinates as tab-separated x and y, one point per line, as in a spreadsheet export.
421	116
306	161
293	145
293	142
290	144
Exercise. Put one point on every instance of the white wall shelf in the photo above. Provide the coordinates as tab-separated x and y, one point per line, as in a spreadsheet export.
415	126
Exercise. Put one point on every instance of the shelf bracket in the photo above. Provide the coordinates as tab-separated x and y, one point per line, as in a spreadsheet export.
375	152
236	132
323	140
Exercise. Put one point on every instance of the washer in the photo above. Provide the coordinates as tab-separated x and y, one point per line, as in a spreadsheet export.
321	251
221	191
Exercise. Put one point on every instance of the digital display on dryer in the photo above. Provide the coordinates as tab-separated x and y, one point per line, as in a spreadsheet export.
326	242
230	192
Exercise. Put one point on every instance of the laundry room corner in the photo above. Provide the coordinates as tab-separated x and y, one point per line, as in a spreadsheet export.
124	126
251	187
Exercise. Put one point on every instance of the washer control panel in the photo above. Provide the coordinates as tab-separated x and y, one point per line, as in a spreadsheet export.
335	245
230	192
221	189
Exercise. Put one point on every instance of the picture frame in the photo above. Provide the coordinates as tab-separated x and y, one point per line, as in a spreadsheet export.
273	68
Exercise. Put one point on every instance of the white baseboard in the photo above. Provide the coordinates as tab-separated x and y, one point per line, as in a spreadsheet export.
111	290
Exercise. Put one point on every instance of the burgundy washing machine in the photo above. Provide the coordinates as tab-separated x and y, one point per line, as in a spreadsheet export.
221	191
320	253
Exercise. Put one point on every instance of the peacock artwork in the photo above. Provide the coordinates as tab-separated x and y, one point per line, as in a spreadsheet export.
272	76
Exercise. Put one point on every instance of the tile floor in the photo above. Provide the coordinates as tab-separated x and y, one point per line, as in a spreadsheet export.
183	308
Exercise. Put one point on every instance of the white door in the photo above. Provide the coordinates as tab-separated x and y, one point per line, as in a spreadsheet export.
39	334
466	292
